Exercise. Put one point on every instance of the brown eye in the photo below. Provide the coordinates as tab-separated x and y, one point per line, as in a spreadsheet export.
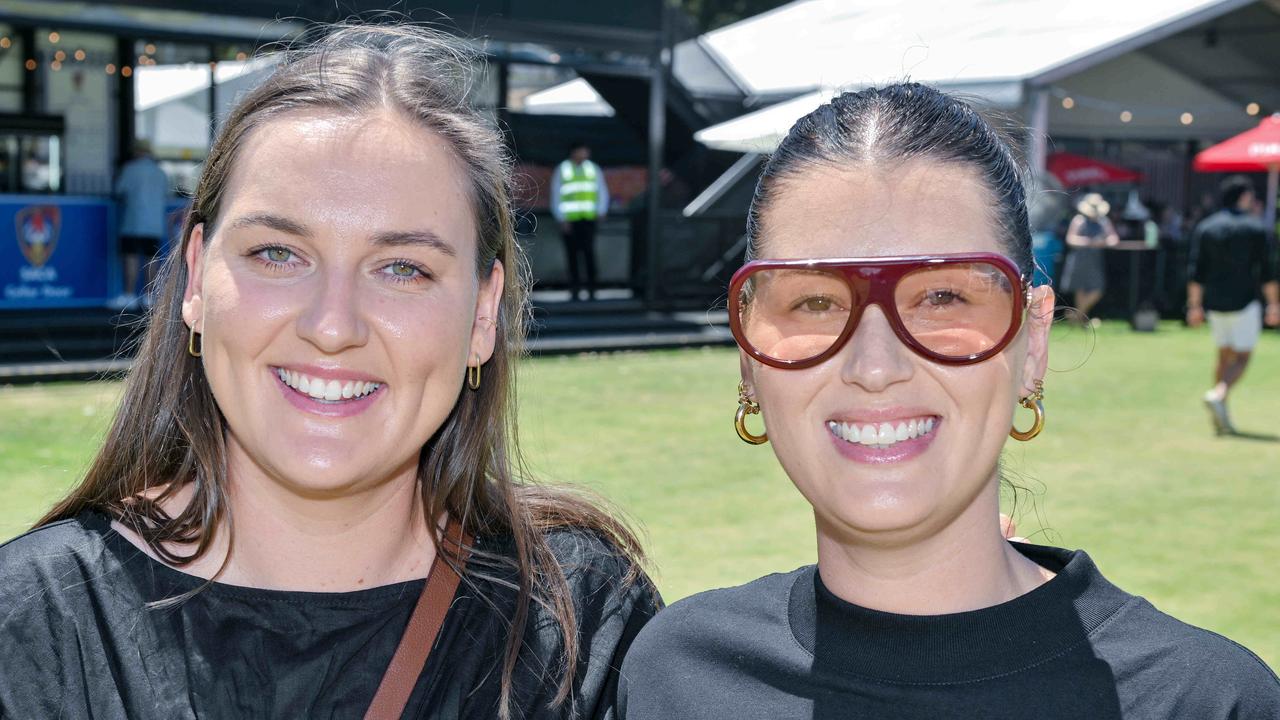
941	297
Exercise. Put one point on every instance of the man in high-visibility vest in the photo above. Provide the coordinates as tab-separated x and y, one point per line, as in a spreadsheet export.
579	200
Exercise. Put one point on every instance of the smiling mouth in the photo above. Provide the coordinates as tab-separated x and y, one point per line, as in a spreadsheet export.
326	391
882	435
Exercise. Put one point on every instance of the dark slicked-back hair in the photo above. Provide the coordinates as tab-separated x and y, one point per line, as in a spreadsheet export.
894	123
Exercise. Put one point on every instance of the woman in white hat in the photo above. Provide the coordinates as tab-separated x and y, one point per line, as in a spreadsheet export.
1090	232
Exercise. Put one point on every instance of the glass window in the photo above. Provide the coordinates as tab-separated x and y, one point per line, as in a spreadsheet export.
11	69
239	69
172	103
79	84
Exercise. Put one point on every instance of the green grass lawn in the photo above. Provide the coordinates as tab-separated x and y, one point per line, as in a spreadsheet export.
1126	468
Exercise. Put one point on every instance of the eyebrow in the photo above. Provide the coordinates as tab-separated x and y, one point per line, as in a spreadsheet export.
388	238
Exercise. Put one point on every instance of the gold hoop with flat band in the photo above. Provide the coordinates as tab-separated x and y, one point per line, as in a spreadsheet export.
191	343
473	374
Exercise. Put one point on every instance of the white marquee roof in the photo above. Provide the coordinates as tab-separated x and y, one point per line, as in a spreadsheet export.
813	44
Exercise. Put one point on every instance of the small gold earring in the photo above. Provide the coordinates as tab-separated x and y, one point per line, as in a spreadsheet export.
747	406
1033	402
191	343
473	374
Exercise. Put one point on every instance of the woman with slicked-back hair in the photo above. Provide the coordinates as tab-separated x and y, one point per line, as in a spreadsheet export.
309	503
888	330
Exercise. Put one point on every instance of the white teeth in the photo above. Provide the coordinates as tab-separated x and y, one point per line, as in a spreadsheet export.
850	432
329	391
886	435
883	434
868	435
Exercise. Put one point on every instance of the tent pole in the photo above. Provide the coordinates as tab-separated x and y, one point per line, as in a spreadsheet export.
1039	131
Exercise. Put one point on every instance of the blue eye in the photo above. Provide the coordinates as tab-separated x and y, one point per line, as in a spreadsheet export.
278	254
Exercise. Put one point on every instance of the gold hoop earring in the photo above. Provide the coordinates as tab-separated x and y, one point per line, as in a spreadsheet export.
191	343
747	406
1033	402
473	374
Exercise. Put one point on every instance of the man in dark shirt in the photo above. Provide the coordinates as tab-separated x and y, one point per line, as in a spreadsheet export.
1231	260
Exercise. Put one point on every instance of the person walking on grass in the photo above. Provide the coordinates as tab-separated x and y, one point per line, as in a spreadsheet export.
1231	261
579	201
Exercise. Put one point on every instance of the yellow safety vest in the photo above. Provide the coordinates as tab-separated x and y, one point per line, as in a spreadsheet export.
579	194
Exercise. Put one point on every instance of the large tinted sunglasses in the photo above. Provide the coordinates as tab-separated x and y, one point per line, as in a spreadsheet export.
951	309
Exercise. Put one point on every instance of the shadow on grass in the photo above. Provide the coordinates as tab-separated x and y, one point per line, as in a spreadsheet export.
1258	437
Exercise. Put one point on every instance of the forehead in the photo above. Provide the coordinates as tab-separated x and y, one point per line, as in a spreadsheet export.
918	207
356	175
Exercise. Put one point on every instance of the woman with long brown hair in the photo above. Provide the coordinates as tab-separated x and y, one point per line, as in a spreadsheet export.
317	442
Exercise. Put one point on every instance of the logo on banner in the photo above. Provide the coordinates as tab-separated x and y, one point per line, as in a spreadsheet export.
37	230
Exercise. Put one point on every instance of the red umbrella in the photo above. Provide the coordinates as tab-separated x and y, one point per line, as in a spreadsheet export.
1256	150
1075	171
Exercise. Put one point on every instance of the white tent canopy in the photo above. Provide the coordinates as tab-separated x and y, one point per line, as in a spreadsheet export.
1005	52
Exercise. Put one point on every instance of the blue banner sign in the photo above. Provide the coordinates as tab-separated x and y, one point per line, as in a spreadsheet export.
54	251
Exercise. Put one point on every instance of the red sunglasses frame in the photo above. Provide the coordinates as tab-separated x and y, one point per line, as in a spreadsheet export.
881	275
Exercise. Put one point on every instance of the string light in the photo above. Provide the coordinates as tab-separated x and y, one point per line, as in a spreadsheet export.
54	37
150	48
56	65
1253	108
5	42
1187	118
30	64
1126	116
111	69
59	56
80	55
241	56
1068	103
126	71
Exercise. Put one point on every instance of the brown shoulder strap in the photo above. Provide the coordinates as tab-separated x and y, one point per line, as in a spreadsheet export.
419	636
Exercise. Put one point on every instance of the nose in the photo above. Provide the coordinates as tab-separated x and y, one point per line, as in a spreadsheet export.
331	320
874	358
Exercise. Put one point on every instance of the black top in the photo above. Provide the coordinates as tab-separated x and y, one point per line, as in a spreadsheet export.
1076	647
1231	259
77	641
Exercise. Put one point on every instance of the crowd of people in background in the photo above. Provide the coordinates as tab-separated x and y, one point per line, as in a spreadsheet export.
1221	248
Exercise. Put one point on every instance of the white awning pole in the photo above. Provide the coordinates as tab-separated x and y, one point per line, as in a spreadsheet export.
1039	132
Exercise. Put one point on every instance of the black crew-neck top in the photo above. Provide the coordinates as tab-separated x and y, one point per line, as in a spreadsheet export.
1076	647
78	640
1231	259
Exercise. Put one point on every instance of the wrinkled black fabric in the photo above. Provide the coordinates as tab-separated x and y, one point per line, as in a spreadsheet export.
1075	648
77	640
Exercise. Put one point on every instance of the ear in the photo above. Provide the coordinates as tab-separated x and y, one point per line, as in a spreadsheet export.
193	296
1039	323
484	326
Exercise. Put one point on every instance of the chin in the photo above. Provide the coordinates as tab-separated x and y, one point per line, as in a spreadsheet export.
863	506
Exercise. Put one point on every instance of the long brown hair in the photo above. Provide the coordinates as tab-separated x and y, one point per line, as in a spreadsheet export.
168	431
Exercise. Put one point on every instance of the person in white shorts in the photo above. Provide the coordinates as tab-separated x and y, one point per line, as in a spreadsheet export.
1231	261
